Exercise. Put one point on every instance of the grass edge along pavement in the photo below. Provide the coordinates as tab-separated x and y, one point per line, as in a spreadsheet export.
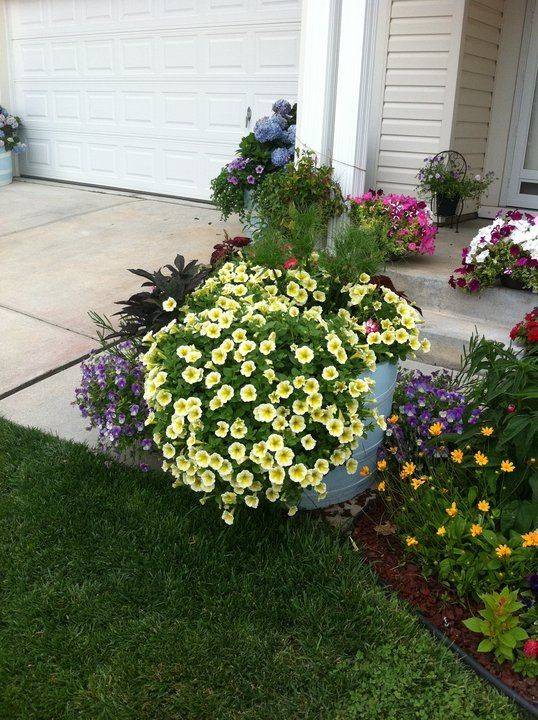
121	598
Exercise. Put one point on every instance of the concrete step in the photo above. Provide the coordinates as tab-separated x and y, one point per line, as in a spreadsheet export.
429	288
449	334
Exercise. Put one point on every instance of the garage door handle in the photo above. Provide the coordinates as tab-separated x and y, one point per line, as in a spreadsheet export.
248	117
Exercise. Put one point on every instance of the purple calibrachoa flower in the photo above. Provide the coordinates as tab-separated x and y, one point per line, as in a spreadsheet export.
422	400
109	397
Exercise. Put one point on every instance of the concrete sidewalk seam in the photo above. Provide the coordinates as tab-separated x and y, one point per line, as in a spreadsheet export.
47	322
44	376
68	217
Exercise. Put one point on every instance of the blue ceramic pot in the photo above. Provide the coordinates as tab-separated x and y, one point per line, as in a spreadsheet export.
6	168
340	485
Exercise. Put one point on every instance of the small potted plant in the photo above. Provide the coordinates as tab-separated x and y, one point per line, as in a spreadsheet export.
10	142
409	224
525	333
299	187
264	151
506	250
449	184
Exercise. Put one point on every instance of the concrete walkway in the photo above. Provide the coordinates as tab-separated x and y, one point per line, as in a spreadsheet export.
64	250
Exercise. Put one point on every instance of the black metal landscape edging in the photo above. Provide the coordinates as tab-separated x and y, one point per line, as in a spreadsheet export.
498	684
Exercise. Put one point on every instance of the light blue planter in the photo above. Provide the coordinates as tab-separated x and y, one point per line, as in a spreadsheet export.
340	485
6	168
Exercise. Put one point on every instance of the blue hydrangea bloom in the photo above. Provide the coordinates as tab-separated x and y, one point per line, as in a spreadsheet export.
281	156
290	135
282	107
267	129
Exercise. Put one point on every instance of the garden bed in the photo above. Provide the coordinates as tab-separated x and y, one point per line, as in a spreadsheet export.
436	603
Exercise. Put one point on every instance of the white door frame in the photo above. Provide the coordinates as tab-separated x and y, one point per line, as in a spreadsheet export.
519	128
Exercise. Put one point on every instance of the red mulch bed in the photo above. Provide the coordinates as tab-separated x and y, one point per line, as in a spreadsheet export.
439	605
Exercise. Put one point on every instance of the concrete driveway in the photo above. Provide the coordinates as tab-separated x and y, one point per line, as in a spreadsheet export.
64	250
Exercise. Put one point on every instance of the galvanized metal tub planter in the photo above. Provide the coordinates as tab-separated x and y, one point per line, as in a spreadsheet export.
340	485
6	168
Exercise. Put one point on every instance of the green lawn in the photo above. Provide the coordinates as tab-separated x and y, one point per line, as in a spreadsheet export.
122	598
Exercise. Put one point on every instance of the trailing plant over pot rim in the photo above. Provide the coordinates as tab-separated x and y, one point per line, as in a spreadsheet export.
507	247
255	387
264	151
441	180
409	224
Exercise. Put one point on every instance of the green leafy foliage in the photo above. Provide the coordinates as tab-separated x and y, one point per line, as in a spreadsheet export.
144	310
505	385
356	249
500	624
299	187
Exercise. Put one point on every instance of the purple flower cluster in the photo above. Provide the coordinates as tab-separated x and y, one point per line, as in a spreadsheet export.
110	396
422	401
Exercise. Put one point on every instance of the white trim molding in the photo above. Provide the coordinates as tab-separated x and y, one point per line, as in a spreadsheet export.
4	59
335	84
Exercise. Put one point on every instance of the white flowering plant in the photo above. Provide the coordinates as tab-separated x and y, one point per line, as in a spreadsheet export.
257	389
507	248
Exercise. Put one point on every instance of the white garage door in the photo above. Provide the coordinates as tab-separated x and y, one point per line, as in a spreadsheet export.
149	95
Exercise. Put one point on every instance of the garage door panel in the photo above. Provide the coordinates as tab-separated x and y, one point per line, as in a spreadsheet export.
146	94
38	18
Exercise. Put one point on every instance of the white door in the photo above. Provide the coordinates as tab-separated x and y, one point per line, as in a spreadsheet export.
149	95
523	185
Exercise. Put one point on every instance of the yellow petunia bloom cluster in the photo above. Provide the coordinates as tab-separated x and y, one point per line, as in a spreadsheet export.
257	390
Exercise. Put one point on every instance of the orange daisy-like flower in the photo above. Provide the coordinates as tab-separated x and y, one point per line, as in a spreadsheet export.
364	471
382	486
441	531
476	530
507	466
452	511
530	539
410	541
486	431
503	551
435	429
457	456
417	482
480	458
483	506
381	464
393	419
408	468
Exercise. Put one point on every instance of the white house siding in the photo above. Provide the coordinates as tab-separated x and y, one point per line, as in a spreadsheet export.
419	88
476	80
